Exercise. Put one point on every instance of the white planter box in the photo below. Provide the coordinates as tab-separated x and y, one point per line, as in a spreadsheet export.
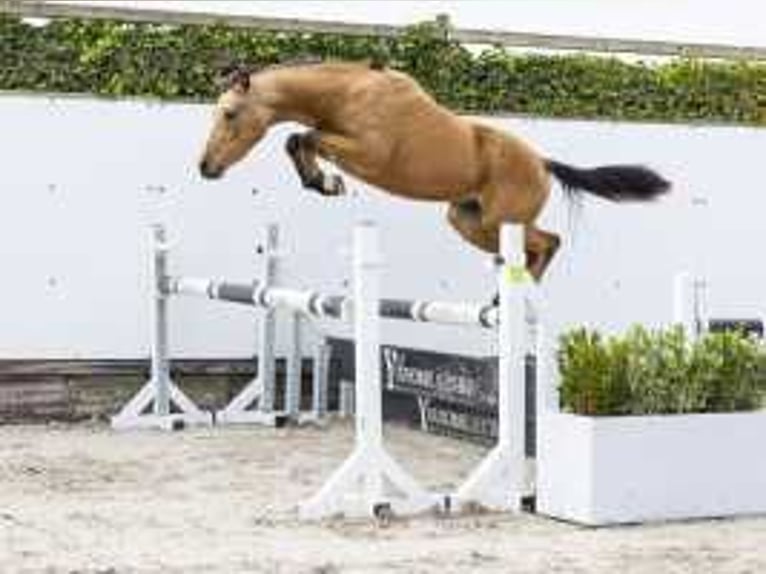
610	470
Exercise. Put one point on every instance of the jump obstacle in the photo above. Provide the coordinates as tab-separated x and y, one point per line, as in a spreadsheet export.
370	482
161	404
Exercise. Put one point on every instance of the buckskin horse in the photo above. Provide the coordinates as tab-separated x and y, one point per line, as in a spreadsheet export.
379	125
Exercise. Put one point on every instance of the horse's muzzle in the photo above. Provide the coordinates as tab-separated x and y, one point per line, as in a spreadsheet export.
208	171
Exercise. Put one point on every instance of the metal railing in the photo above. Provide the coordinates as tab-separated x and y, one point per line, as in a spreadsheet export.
40	9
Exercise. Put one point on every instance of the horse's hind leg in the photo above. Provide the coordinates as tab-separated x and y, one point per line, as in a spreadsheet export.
303	149
539	246
465	218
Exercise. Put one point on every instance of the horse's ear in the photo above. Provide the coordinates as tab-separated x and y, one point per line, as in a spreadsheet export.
235	76
241	79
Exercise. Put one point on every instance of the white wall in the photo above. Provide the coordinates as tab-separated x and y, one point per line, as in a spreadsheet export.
77	193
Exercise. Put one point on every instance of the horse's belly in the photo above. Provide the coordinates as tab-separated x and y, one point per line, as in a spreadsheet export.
437	168
431	182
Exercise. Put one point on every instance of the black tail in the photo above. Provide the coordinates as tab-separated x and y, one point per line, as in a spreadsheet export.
612	182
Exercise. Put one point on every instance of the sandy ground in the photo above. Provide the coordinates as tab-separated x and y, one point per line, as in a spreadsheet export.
83	499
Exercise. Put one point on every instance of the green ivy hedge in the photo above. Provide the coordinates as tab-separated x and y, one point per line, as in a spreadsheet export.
179	62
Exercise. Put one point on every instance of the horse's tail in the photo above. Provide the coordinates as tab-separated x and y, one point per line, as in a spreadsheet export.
612	182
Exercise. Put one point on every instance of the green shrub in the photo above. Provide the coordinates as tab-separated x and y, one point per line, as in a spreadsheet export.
658	372
180	62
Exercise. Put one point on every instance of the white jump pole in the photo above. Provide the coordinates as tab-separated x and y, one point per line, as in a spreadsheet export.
369	483
497	483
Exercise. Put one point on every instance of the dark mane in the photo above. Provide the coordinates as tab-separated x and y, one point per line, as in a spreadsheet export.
230	73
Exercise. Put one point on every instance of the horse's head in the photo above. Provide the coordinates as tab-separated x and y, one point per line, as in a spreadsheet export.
240	119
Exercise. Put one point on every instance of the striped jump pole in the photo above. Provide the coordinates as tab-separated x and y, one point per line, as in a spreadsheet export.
318	305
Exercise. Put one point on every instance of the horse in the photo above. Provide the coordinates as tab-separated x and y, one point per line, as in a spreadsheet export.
381	126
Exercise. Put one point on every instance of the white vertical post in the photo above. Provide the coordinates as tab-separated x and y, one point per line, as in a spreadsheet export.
686	298
266	378
319	380
368	389
160	368
367	336
151	406
346	398
255	402
680	310
700	302
497	483
370	482
293	375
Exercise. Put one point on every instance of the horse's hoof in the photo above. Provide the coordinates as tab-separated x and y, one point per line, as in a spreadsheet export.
332	185
338	186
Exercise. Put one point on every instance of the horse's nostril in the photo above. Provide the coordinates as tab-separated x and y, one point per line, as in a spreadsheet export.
203	167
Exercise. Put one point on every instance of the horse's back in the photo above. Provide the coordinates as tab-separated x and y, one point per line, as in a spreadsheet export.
366	92
429	151
421	148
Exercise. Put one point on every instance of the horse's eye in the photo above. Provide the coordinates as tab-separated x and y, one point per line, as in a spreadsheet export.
230	115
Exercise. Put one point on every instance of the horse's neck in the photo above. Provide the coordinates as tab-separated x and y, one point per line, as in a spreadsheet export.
299	94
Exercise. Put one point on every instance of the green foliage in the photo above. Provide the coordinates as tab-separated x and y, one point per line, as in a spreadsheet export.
180	62
656	372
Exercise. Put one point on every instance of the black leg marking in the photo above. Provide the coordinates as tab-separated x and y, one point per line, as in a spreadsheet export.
302	149
293	145
296	149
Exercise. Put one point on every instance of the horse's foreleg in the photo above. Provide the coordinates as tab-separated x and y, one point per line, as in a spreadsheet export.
365	158
303	150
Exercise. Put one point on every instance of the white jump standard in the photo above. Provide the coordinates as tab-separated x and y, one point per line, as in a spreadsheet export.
497	483
370	482
152	406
